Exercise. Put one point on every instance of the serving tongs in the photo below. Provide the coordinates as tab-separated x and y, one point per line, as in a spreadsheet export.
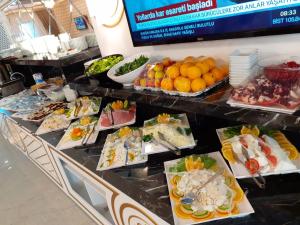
78	105
112	117
161	141
260	181
88	134
162	137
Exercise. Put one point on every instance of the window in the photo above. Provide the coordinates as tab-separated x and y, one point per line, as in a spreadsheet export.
29	30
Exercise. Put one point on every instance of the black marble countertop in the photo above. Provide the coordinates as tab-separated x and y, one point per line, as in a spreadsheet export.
52	60
278	204
211	104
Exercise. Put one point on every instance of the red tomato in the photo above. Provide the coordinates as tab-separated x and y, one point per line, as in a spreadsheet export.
266	149
252	165
243	142
273	160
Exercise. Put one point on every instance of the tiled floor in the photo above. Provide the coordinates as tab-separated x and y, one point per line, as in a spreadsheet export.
28	197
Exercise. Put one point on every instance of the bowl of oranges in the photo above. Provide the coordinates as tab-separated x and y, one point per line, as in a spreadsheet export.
188	77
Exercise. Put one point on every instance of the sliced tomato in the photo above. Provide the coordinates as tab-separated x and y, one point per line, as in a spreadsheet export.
243	142
252	165
265	148
273	160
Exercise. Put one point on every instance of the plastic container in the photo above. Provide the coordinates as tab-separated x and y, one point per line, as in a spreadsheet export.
282	69
70	94
57	95
275	88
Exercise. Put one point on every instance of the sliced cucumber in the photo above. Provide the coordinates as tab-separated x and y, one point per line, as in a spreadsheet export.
201	214
225	208
187	206
184	210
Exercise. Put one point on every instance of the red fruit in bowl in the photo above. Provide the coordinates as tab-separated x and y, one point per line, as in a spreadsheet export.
283	73
292	64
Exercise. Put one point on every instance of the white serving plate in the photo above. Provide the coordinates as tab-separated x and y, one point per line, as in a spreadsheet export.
243	67
240	171
22	114
234	103
42	130
244	55
149	148
238	70
122	152
244	206
90	112
71	144
101	128
128	78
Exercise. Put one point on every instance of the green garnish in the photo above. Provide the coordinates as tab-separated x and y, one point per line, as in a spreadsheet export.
128	67
180	130
126	104
188	131
175	116
231	132
179	167
266	131
68	113
151	122
147	138
208	161
103	65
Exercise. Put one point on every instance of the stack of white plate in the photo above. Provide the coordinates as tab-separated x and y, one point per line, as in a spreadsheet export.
243	64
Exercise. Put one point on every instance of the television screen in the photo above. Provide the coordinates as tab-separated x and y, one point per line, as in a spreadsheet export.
80	23
171	21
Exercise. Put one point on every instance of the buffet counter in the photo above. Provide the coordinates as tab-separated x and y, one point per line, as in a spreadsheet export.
139	194
54	60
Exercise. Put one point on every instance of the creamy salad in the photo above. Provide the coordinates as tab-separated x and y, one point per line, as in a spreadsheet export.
210	197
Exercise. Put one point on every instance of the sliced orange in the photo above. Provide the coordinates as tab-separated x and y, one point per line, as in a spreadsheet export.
239	194
180	214
250	130
235	210
175	194
174	181
198	164
293	153
227	153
